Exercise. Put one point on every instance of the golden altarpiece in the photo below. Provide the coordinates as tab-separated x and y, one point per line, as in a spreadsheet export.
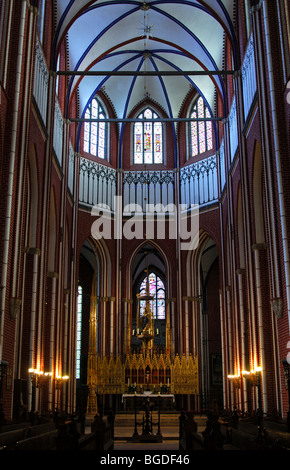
142	371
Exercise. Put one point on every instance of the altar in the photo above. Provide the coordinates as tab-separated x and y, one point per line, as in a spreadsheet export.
151	373
165	376
157	401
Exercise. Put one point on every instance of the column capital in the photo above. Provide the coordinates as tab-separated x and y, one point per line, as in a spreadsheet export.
52	274
241	271
256	7
277	307
32	251
259	246
15	304
193	299
237	73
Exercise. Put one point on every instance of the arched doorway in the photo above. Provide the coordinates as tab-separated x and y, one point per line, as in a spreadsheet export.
149	264
211	347
203	336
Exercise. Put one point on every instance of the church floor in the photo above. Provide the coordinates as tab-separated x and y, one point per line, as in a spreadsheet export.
123	435
124	429
163	446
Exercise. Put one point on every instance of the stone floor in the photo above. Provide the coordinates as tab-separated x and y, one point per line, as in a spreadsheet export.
169	426
162	446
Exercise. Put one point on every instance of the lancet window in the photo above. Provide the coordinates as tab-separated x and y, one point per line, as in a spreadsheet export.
201	132
95	132
148	138
157	291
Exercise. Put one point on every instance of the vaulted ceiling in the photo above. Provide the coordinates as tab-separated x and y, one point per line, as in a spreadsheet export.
133	49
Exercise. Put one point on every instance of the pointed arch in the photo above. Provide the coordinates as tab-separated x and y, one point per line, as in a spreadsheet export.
131	261
148	254
148	138
102	257
202	323
194	286
96	134
157	290
200	133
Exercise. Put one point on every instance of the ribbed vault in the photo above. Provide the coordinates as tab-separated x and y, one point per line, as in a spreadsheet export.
144	49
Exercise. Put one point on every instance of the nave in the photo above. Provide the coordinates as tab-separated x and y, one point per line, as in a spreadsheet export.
144	220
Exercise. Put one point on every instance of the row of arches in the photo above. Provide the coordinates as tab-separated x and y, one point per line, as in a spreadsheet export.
187	328
148	133
197	317
201	322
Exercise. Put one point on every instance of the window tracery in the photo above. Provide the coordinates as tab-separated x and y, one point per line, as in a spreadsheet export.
148	139
95	133
157	290
201	132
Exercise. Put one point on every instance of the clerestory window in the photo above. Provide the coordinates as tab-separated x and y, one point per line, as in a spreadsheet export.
201	132
148	139
95	131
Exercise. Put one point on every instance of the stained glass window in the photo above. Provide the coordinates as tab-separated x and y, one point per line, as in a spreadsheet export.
148	142
94	131
157	290
201	133
79	330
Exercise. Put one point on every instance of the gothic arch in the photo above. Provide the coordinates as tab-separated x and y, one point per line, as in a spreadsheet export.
193	263
129	289
98	246
202	263
131	263
96	255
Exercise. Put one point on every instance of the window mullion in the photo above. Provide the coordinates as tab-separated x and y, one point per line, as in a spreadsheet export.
90	130
151	132
94	113
98	134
